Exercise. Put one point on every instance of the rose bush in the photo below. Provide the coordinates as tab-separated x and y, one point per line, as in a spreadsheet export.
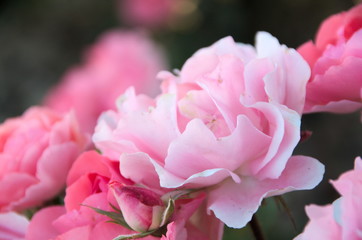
341	220
36	153
94	182
336	62
226	125
118	60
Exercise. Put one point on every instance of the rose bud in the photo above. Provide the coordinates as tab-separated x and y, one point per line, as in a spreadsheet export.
142	209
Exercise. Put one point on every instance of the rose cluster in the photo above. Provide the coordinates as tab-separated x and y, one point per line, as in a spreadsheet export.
205	152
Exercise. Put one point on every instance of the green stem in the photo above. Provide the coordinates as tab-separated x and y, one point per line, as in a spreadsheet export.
256	228
287	210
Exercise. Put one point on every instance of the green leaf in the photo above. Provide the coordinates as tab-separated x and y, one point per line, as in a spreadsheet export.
115	208
133	236
116	217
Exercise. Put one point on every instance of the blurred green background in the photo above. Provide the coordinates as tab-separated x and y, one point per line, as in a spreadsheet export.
41	39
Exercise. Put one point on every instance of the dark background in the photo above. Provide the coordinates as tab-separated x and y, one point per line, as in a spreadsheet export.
41	39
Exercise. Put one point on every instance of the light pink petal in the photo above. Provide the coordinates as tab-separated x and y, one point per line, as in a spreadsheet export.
205	62
349	182
129	101
139	128
284	127
138	168
204	226
358	163
349	185
321	226
300	173
142	127
254	74
225	46
13	226
198	104
287	83
198	149
351	219
13	187
202	179
235	203
105	140
107	231
266	45
52	179
187	207
225	85
84	216
176	231
77	233
41	225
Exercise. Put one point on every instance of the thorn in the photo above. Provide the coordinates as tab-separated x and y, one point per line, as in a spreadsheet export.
305	135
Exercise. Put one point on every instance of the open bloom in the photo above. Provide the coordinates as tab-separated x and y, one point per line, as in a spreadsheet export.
227	124
94	182
336	62
341	220
36	153
118	60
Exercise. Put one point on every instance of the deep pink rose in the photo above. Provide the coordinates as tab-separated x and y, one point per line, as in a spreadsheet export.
341	220
118	60
94	181
87	186
228	123
36	153
336	62
12	226
148	13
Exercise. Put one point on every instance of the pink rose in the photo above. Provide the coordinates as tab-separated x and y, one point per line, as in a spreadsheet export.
36	153
94	181
12	226
336	63
87	186
341	220
148	13
228	123
118	60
